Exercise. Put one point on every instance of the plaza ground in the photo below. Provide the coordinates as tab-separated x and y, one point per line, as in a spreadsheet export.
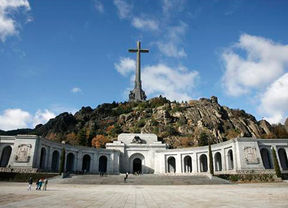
89	195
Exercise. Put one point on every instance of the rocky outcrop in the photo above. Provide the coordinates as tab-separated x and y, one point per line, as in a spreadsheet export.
160	116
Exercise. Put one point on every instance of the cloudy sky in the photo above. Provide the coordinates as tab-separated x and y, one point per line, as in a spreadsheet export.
58	56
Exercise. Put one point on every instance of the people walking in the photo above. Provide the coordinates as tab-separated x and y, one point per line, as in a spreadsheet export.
126	176
45	182
40	183
37	184
30	181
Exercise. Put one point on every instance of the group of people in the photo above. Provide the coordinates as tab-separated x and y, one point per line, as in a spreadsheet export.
41	183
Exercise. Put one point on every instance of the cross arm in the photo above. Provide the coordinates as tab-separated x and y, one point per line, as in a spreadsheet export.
133	50
144	51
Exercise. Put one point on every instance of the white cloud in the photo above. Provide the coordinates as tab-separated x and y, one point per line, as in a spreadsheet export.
175	84
99	6
260	70
170	46
125	66
145	24
8	26
264	63
170	6
76	90
274	103
124	9
17	118
41	117
14	118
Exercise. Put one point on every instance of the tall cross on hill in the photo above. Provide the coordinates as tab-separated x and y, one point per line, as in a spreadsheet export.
138	94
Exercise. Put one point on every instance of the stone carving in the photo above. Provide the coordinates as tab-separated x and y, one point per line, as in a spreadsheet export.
138	140
250	155
23	153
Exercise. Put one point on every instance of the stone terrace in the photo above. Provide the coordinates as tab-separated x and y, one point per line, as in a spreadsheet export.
72	195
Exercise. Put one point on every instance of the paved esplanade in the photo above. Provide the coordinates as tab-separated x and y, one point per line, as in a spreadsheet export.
138	94
67	195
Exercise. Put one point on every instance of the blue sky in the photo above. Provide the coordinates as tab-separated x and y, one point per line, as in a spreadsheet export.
58	56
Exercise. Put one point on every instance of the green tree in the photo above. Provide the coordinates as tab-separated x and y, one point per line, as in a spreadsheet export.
203	139
276	164
211	160
62	162
81	137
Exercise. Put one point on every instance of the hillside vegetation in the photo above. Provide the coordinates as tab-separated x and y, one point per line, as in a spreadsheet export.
185	124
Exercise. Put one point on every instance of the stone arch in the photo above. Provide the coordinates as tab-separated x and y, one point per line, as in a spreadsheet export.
230	160
187	164
86	161
55	161
5	157
43	158
266	159
283	158
171	164
70	162
203	163
137	162
218	161
103	161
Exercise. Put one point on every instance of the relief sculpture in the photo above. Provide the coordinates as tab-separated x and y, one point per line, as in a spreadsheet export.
250	155
23	153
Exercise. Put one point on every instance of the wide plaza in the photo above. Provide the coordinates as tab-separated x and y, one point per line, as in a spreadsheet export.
75	195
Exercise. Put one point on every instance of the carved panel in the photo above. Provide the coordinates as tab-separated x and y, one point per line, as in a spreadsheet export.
23	153
250	155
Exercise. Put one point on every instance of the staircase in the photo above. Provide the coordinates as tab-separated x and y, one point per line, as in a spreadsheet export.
148	179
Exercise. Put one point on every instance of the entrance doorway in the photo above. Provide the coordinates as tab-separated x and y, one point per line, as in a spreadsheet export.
137	166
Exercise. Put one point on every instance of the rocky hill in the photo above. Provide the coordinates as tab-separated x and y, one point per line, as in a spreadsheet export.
184	124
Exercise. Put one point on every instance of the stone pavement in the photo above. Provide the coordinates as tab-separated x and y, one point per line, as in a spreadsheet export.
72	195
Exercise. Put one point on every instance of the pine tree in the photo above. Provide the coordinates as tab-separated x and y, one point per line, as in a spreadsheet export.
211	160
82	138
276	163
62	162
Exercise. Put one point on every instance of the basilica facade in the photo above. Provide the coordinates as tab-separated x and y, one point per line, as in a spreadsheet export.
141	153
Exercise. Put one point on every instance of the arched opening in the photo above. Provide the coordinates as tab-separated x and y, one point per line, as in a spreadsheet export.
266	159
70	162
86	163
103	164
230	160
203	163
43	158
137	165
171	165
283	158
55	161
187	164
218	161
5	156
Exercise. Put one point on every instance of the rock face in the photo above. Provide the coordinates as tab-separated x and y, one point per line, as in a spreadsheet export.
160	116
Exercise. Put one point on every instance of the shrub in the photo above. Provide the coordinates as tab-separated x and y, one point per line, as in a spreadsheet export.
170	131
182	121
99	141
141	123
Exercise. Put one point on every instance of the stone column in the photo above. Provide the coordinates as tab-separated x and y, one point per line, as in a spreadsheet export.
178	163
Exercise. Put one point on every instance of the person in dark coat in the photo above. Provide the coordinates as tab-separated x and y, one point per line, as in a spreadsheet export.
30	182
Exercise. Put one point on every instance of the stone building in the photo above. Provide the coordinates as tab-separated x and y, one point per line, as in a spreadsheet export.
142	153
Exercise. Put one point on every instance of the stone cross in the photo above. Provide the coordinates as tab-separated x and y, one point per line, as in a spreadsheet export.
138	94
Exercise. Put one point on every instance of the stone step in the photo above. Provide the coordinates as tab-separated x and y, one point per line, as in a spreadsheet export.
139	180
